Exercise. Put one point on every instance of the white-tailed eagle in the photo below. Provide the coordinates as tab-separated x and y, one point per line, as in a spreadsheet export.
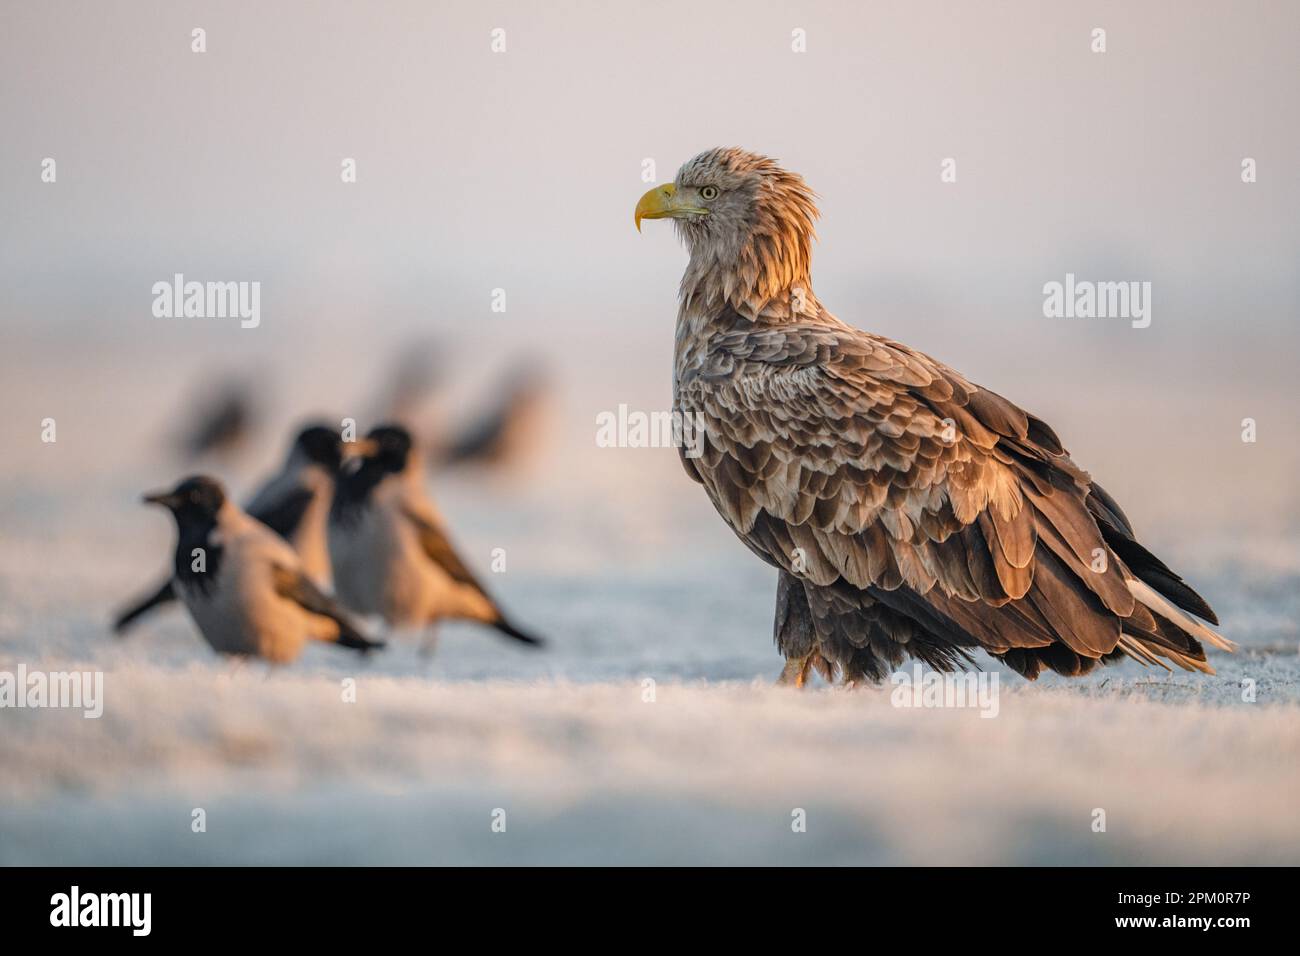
908	511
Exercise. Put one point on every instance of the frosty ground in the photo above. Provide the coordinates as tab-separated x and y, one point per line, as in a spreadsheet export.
619	560
586	761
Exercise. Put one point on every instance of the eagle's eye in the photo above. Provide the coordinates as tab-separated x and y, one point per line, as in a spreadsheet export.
709	192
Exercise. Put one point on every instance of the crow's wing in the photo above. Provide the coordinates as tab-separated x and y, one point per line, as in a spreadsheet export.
292	584
438	548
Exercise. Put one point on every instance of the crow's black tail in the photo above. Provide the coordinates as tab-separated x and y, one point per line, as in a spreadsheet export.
353	639
163	595
509	630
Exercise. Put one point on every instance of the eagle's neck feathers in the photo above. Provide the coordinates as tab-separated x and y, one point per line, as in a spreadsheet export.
767	274
763	280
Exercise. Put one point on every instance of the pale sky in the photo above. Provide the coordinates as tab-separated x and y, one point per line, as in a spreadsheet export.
479	170
520	170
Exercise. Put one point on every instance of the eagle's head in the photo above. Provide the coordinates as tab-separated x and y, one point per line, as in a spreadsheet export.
747	223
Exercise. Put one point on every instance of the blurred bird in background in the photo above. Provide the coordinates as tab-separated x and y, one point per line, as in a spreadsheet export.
390	553
507	431
225	414
295	503
412	377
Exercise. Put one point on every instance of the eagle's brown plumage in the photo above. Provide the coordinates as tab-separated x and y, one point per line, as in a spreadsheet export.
908	510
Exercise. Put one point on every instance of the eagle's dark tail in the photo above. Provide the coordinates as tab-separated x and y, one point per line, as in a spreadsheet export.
1166	626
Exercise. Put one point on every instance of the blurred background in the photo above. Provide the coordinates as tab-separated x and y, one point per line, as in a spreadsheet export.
518	171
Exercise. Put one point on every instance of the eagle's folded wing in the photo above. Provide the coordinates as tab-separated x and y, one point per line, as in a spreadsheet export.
846	459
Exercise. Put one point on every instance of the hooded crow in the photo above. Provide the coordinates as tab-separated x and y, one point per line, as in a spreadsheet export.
390	554
243	584
294	504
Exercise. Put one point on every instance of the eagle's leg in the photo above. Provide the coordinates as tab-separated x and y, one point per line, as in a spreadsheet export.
796	671
794	631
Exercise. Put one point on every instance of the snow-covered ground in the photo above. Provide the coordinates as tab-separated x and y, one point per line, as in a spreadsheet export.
418	770
650	730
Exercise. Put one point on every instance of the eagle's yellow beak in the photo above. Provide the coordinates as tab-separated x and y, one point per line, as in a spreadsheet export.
658	203
662	202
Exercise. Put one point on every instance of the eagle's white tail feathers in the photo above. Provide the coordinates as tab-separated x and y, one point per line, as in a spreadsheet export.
1158	604
1135	649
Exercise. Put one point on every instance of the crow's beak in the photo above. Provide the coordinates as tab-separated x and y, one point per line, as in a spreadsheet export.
361	448
167	499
